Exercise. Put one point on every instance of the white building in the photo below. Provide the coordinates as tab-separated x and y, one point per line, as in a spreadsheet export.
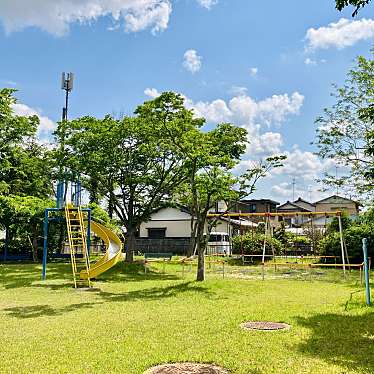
176	223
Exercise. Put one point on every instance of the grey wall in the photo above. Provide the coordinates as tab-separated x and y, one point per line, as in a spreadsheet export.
177	246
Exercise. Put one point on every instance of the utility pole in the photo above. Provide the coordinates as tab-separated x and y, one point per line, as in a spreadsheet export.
67	80
310	193
293	188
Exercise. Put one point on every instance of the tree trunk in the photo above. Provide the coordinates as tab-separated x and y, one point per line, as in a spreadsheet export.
193	241
110	207
35	242
94	196
200	276
130	244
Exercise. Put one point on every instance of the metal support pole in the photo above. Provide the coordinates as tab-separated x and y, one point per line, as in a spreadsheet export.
45	239
89	232
342	242
366	267
265	237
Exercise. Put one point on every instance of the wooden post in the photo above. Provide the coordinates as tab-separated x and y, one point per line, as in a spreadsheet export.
310	272
341	241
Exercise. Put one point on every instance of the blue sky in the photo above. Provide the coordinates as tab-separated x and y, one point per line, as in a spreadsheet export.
267	66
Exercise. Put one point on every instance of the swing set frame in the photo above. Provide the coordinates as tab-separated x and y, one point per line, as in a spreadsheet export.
268	230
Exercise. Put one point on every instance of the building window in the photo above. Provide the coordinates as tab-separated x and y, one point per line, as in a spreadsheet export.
252	208
158	233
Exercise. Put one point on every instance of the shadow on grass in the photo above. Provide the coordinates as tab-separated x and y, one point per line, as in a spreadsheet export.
343	340
26	275
34	311
156	293
134	273
26	278
17	276
153	293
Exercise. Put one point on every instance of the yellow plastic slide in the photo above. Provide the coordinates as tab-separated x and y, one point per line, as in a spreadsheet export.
112	255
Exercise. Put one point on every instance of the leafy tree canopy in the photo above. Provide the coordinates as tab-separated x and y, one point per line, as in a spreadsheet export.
357	4
133	161
24	164
345	131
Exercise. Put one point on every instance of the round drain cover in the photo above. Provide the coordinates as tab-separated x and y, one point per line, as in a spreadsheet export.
264	326
186	368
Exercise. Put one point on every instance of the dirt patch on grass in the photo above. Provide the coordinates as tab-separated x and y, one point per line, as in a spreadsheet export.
186	368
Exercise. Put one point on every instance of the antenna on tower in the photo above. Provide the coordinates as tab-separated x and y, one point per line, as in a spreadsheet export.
310	192
293	188
67	80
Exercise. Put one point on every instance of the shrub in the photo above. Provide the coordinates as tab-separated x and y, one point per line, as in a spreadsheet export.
252	244
353	235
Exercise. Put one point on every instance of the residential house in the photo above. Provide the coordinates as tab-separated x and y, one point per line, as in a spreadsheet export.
330	204
169	230
296	206
338	203
256	206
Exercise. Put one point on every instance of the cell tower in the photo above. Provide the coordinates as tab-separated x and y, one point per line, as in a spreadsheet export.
67	81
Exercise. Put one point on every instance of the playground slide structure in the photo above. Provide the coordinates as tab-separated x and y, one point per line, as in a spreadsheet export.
111	257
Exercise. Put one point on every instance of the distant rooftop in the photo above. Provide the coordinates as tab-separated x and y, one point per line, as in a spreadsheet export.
264	201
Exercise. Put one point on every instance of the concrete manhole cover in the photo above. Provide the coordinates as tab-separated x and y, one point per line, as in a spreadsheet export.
186	368
264	326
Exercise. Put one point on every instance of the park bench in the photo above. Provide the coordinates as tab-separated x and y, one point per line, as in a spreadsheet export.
156	257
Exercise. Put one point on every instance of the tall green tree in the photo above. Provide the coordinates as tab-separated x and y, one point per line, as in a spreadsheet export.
25	172
22	216
216	183
135	165
345	131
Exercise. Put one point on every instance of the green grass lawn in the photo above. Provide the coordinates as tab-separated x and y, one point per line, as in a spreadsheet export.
137	320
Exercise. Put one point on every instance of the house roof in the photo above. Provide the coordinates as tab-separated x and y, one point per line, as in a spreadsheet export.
304	201
239	222
264	201
326	200
294	207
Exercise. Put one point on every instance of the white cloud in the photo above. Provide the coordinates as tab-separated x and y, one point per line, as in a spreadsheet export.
311	192
56	16
268	143
341	34
304	165
238	90
151	92
207	3
245	111
310	61
254	116
215	111
192	61
46	126
271	110
253	71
